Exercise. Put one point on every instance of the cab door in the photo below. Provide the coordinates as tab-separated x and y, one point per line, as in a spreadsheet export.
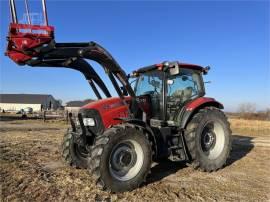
149	91
181	88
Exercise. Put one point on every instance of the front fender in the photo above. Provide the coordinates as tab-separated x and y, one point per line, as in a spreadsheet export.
194	106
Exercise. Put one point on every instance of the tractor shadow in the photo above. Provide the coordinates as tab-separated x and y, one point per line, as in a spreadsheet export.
164	169
241	146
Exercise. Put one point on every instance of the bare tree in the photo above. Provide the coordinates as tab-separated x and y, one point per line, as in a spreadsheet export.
246	110
267	112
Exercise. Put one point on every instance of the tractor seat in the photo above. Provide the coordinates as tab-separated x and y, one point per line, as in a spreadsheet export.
187	93
176	100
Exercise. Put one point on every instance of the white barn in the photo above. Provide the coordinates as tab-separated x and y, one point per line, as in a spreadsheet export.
38	102
74	106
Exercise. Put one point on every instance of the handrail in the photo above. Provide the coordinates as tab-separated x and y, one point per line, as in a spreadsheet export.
13	12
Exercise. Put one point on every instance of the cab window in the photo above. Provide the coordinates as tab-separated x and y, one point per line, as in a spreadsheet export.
185	85
182	87
150	85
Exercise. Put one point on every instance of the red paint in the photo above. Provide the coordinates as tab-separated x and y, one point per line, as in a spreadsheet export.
109	109
31	27
112	108
159	66
23	37
17	56
199	101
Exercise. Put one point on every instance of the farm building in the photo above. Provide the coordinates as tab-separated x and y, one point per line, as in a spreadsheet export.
74	106
38	102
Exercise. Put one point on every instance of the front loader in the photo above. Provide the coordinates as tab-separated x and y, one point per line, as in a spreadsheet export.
165	116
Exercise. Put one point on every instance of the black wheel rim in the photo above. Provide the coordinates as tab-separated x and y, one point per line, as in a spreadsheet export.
208	137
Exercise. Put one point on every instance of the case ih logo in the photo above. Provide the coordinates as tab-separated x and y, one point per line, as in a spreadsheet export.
111	106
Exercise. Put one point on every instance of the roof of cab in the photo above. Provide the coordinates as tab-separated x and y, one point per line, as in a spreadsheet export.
161	65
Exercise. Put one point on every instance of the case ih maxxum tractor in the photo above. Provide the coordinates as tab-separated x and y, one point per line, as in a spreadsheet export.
165	114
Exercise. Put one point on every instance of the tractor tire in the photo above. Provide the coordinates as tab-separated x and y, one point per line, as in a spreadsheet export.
73	154
120	158
208	139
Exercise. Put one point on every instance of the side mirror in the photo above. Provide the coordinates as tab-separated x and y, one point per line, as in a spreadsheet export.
174	68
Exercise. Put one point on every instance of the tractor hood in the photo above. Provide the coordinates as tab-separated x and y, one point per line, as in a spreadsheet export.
110	109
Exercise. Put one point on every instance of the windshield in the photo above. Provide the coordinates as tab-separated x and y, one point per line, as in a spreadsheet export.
150	85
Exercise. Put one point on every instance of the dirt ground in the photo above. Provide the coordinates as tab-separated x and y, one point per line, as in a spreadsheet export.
31	169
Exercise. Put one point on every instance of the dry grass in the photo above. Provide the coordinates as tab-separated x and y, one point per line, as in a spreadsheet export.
31	169
250	127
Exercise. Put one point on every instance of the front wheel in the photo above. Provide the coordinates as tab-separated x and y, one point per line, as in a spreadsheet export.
120	158
208	139
72	153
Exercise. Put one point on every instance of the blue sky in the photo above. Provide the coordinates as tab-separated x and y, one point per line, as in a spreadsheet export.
231	36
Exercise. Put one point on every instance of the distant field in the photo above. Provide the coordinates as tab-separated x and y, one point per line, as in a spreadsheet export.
250	127
238	125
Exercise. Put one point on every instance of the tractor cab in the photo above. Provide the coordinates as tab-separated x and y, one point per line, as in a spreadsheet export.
164	89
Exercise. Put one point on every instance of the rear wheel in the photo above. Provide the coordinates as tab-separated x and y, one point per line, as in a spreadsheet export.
73	153
208	138
120	158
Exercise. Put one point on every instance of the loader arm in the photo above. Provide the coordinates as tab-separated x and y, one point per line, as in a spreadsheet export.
34	45
72	55
81	65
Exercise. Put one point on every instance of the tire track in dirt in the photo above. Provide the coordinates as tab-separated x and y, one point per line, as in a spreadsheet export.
31	170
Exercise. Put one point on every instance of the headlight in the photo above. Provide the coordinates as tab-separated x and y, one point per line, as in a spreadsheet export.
87	122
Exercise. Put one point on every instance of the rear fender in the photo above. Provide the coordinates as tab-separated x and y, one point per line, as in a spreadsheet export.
194	106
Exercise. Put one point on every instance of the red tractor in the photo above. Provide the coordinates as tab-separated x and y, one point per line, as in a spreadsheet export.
163	116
